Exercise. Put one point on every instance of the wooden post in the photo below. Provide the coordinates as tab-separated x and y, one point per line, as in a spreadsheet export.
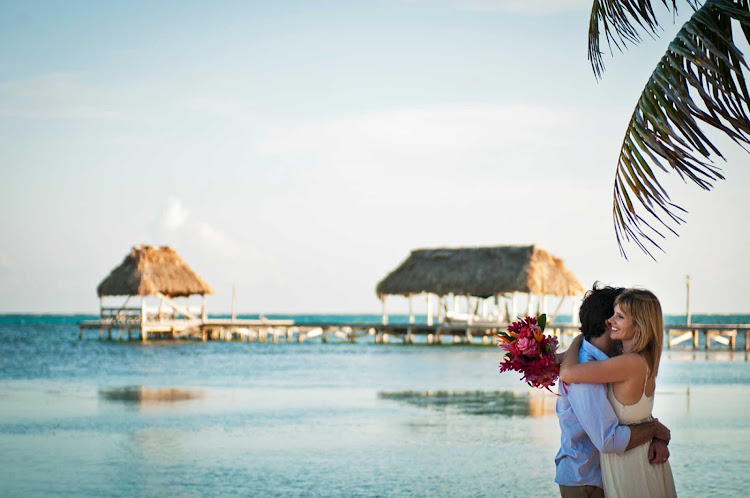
385	314
144	333
708	339
551	319
544	303
513	307
529	304
502	308
429	309
469	311
204	311
411	308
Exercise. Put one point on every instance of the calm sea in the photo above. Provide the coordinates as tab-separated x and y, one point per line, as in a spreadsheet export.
109	418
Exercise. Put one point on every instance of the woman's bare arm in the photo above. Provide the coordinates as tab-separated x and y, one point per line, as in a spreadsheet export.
570	356
598	372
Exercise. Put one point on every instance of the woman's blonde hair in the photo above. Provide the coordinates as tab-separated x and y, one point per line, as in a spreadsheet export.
644	309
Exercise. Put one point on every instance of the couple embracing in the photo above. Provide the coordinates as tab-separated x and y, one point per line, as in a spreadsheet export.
610	444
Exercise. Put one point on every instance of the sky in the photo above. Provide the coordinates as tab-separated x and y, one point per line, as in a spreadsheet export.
300	150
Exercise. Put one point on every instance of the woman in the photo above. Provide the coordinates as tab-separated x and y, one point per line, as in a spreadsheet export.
631	379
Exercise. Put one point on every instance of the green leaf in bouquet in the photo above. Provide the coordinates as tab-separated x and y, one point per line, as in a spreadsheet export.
542	321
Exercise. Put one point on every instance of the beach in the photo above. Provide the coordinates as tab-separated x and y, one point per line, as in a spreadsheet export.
110	418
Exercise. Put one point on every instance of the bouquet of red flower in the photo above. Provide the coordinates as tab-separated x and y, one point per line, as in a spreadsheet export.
530	352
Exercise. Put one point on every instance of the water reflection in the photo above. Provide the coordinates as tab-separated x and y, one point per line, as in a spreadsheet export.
504	403
147	395
718	356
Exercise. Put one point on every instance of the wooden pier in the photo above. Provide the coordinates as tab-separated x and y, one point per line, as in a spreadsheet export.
255	330
723	334
289	331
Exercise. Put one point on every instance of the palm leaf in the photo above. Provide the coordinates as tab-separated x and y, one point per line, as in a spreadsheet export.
621	21
699	81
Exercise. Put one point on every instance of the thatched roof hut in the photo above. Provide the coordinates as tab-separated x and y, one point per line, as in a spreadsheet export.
151	270
481	272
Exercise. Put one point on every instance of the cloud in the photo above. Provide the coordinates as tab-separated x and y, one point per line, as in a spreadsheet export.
72	95
61	95
432	140
175	215
218	240
177	224
525	6
5	261
536	7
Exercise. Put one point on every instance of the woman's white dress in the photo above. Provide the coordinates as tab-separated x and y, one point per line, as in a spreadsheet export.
630	474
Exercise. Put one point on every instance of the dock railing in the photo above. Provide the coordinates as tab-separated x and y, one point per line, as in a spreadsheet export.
179	327
711	334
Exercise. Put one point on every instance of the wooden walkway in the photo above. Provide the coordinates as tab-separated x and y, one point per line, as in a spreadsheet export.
691	336
711	335
289	331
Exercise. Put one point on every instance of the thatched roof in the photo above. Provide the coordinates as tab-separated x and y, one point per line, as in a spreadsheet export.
481	271
150	270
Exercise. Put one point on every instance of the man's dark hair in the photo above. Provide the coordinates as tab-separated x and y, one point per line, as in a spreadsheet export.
598	305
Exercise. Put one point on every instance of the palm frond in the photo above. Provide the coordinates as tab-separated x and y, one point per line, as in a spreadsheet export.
699	81
621	21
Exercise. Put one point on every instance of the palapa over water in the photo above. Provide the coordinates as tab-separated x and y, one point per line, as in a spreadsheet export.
150	271
481	272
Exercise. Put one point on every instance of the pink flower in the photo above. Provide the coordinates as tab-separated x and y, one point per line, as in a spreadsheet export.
530	352
529	346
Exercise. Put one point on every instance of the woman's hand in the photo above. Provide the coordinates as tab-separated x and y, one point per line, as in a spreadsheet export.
571	355
576	342
559	357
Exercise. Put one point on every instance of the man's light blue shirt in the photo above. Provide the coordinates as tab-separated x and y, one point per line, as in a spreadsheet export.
589	426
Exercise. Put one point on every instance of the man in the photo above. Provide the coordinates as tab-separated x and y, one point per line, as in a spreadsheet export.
588	423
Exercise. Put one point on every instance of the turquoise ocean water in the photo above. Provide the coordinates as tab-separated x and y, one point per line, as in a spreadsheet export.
109	418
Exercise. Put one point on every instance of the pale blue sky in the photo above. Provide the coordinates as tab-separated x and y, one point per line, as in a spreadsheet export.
302	149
